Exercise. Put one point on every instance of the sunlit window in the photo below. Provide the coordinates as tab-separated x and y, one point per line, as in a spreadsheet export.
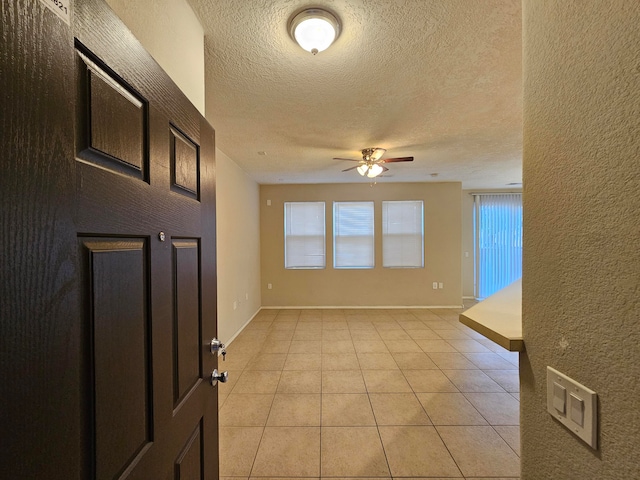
304	235
353	244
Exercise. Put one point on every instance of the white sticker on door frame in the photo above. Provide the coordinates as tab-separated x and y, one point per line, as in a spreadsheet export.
62	8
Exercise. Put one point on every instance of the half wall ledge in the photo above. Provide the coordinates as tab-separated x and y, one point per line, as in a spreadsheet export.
499	317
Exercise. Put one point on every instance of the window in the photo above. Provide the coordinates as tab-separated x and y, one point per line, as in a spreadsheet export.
304	235
498	225
402	234
353	235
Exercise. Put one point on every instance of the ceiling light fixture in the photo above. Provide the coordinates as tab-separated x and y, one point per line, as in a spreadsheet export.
370	170
314	29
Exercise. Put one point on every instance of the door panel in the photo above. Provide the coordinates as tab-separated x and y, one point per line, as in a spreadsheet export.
187	352
115	115
174	266
185	165
112	118
117	289
189	464
111	249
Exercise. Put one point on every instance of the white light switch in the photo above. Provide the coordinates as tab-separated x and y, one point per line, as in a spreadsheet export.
559	397
578	411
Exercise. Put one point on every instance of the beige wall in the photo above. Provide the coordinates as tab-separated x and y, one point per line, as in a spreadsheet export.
238	249
468	279
581	280
172	34
388	287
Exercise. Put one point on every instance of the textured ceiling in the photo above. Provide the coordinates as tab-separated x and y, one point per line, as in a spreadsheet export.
437	80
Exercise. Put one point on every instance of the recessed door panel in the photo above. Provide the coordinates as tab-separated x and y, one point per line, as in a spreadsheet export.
186	321
189	465
112	119
185	164
119	327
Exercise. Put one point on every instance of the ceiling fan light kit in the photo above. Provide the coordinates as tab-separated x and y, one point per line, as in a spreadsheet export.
370	171
371	163
314	29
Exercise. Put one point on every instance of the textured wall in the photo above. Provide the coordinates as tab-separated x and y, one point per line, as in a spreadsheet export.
238	249
388	286
467	244
581	281
172	34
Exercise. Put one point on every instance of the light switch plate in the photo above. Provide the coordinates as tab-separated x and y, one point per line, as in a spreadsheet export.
588	431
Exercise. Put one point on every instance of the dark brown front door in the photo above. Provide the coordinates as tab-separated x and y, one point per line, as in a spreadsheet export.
108	256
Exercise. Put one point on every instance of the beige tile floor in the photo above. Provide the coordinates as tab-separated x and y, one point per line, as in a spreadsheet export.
371	394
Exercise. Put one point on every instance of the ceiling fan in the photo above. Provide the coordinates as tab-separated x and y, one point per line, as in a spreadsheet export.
371	163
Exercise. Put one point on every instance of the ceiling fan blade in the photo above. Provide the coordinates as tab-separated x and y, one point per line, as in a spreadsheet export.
352	168
400	159
348	159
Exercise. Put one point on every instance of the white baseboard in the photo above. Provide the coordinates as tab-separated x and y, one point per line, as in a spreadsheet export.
235	335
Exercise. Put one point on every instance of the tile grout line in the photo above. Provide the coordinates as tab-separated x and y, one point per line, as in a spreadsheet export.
414	394
503	439
264	427
438	432
321	394
386	456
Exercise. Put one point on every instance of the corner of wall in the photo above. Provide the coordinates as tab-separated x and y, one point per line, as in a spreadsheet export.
238	247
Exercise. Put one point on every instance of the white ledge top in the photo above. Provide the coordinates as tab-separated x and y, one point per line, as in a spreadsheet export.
499	317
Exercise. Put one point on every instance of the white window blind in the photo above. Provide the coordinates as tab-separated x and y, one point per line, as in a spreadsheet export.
498	219
353	245
304	235
402	234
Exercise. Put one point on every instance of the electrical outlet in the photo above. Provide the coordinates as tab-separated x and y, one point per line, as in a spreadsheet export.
435	285
269	286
